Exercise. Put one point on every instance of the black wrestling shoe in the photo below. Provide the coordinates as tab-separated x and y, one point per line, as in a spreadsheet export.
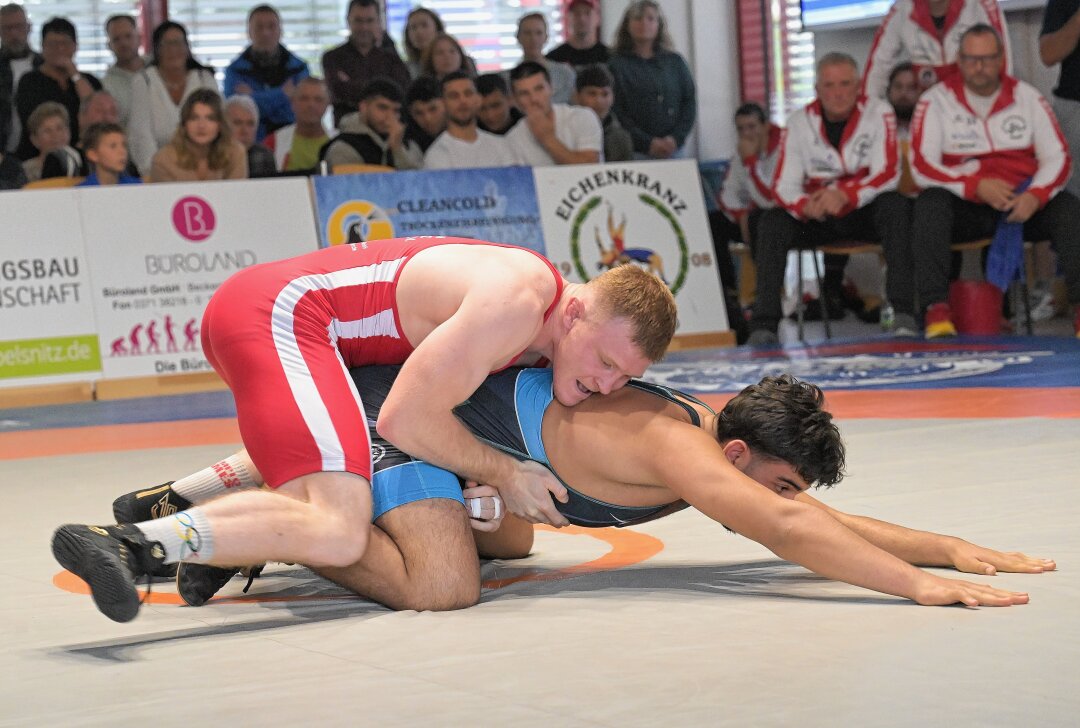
198	583
109	559
148	505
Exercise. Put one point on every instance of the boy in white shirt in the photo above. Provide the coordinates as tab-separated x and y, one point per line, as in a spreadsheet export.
551	133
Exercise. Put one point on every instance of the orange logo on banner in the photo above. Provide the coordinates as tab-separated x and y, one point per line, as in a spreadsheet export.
627	548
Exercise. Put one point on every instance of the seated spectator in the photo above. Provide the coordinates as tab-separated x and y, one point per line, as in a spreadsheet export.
421	27
532	36
425	112
56	79
836	179
202	147
444	55
242	116
903	94
360	59
105	146
986	147
296	147
123	34
161	89
266	71
463	144
375	135
97	108
497	112
594	91
551	133
12	176
49	132
582	47
747	190
655	95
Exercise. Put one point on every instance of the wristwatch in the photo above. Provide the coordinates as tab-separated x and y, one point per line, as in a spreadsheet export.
76	77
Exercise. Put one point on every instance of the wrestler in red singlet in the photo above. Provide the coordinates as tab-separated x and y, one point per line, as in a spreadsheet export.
283	334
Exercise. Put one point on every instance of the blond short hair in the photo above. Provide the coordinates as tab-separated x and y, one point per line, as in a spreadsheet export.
633	293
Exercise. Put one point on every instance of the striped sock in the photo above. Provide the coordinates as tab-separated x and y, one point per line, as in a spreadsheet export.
185	536
223	477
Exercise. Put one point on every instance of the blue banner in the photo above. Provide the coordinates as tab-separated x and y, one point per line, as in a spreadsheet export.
497	204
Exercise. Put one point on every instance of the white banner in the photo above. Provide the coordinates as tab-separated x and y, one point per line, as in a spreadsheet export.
158	252
47	331
650	214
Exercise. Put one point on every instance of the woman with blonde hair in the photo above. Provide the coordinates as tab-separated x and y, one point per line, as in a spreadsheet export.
202	147
50	131
655	95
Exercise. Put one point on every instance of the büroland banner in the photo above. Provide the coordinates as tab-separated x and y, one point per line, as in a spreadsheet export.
158	252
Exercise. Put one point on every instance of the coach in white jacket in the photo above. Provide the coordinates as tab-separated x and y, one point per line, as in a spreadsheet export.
838	171
926	33
975	141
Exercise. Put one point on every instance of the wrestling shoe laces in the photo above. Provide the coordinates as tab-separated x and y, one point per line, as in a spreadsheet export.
198	583
110	559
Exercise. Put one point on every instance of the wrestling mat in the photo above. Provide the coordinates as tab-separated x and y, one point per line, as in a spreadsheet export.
676	622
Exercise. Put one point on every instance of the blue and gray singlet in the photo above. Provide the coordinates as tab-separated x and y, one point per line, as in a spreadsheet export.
506	412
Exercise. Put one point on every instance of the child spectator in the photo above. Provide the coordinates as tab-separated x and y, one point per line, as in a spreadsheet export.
105	146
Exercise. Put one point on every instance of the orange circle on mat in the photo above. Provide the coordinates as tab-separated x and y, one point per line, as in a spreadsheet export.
627	548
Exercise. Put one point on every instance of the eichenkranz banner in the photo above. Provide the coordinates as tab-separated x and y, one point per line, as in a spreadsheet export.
47	330
495	204
650	214
158	252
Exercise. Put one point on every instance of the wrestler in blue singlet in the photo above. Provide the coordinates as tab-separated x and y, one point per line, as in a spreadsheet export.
506	412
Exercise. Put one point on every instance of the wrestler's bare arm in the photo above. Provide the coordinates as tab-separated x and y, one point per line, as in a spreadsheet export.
796	532
493	323
924	548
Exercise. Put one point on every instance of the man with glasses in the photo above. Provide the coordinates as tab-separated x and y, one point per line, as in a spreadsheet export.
16	59
987	152
927	33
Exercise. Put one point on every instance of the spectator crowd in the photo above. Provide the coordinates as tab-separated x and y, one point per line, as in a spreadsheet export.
932	142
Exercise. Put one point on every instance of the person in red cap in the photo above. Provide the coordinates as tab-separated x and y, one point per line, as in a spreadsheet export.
582	47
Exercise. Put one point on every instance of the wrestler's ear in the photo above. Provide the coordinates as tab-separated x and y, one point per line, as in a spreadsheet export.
574	311
737	453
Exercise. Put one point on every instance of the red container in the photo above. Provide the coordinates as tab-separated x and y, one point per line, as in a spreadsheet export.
976	307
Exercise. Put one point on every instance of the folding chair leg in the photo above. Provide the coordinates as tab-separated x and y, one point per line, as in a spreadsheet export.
822	298
800	307
1026	293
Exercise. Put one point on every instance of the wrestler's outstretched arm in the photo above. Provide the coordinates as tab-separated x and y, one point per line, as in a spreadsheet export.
794	531
924	548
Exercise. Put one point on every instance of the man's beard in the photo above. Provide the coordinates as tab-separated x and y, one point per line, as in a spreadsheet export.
904	113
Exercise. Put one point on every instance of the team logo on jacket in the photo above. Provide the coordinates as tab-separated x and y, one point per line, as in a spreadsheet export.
861	147
1014	126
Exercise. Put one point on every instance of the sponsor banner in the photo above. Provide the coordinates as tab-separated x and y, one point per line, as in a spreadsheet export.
158	252
497	204
649	214
46	321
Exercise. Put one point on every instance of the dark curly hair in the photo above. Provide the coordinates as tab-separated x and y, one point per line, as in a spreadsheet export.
782	418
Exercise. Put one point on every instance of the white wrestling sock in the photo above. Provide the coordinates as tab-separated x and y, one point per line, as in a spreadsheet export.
185	536
227	476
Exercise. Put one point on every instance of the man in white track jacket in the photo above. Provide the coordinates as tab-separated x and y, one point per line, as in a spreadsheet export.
977	141
927	33
837	177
